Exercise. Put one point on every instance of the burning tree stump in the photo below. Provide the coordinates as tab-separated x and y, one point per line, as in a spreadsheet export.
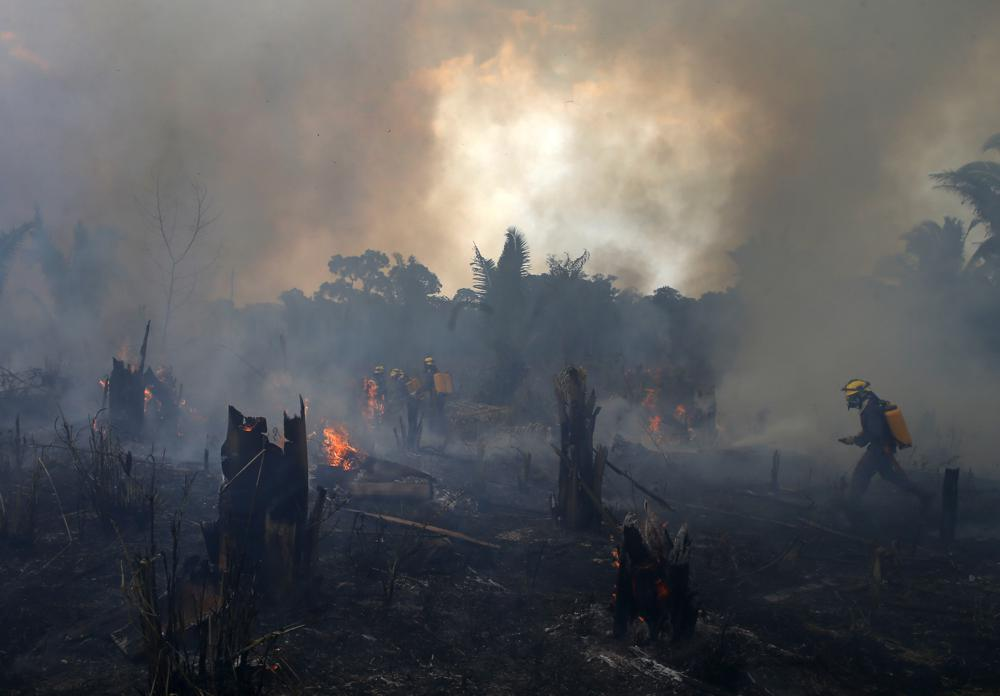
264	499
162	405
653	582
580	473
127	394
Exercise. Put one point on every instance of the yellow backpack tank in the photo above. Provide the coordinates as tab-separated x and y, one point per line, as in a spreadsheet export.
897	425
442	383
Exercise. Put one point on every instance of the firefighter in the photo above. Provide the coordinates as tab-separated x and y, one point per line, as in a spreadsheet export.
434	399
877	436
378	376
375	391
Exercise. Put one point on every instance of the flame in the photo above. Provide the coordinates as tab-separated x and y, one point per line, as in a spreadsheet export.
375	405
104	383
147	396
654	424
616	555
662	591
337	447
681	412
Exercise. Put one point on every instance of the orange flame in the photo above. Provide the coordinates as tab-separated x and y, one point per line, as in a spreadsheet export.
338	448
374	406
662	591
104	383
681	412
146	398
654	424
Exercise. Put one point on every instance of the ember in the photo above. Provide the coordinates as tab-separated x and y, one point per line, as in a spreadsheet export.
339	451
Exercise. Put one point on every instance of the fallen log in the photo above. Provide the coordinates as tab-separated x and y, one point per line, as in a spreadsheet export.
638	485
425	527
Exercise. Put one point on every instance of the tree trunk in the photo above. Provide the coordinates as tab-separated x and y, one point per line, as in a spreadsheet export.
580	474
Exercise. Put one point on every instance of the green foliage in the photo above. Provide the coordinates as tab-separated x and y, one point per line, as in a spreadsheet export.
369	276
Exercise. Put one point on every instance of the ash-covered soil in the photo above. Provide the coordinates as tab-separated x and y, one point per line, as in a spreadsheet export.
792	599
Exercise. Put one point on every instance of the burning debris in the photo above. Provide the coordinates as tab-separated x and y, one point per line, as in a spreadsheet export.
340	453
364	476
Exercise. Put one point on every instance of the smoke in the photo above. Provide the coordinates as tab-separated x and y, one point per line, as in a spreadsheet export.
659	136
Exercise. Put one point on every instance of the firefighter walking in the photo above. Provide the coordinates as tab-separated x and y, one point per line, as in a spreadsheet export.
883	432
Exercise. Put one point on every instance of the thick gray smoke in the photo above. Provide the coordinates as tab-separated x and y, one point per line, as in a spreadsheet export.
660	136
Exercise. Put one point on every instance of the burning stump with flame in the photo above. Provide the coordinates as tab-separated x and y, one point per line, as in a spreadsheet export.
653	579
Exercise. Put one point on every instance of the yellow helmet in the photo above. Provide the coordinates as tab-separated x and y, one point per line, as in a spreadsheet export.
379	369
396	373
428	360
855	391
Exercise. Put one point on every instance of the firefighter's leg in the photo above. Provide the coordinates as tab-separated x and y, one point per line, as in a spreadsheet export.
892	472
863	472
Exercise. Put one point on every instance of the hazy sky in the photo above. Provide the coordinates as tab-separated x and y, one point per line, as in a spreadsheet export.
658	135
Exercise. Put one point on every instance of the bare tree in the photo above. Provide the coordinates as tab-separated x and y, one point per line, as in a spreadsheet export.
179	241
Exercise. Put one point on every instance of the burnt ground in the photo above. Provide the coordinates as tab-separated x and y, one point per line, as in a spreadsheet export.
790	600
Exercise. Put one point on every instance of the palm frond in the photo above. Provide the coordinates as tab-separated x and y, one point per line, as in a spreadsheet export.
483	270
978	184
515	257
992	143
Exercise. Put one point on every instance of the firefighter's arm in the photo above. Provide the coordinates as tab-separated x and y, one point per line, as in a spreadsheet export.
858	440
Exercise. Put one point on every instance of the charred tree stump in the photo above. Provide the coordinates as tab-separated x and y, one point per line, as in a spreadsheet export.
949	505
580	474
264	499
653	583
162	409
127	394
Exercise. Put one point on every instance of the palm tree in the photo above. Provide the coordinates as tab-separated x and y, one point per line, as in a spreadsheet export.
499	290
978	184
497	286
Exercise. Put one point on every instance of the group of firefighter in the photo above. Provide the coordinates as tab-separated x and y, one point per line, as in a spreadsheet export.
422	398
883	429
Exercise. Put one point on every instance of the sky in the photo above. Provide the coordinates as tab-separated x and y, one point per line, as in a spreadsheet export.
659	136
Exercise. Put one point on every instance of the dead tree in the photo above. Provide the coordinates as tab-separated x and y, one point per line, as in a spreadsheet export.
581	471
163	216
264	500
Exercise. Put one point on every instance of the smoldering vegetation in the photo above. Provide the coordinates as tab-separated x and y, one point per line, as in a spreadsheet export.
218	225
397	536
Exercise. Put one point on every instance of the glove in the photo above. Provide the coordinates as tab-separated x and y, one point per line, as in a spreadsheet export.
849	440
